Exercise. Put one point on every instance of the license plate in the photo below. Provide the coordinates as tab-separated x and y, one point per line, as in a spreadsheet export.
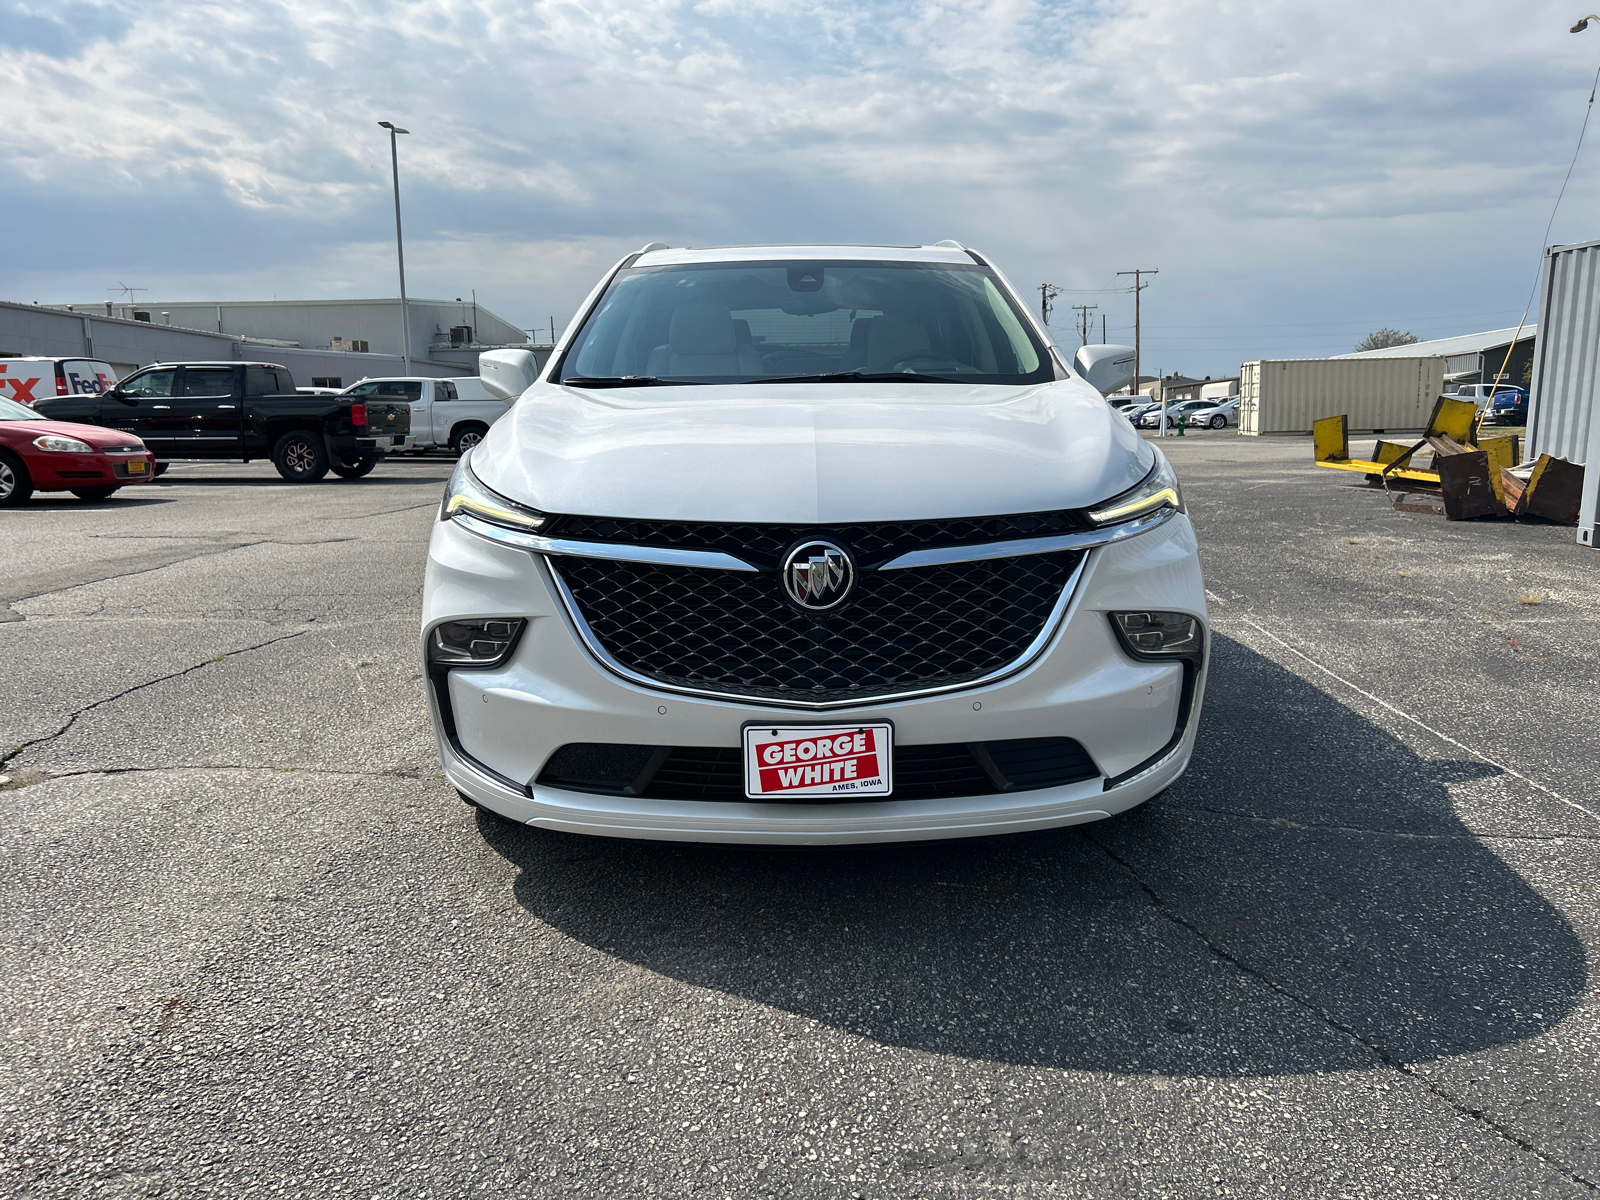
136	467
812	761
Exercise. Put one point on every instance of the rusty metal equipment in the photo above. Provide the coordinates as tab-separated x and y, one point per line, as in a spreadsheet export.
1469	476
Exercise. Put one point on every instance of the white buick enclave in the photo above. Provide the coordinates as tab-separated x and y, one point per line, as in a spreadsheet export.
811	544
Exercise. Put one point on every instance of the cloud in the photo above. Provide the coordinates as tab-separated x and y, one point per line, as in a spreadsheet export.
1347	163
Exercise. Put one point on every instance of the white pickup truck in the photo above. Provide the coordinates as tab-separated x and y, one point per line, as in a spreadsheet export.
444	412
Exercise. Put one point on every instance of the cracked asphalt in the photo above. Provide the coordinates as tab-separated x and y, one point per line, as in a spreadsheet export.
252	943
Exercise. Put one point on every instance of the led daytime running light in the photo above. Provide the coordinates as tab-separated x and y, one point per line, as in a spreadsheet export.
466	495
1158	490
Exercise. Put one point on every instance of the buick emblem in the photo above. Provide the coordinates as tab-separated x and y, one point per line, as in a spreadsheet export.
818	575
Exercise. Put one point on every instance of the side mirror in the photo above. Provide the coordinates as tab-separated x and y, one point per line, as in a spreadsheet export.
1105	368
508	373
118	394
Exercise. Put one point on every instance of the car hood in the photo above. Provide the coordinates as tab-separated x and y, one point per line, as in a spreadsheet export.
811	453
97	436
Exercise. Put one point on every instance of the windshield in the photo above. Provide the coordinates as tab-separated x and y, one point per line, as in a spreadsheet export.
795	321
10	410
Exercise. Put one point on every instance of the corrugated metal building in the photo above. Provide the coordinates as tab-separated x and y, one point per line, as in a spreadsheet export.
1562	421
28	329
1472	357
446	335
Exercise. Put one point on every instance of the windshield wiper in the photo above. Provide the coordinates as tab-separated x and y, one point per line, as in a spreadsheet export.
858	377
620	381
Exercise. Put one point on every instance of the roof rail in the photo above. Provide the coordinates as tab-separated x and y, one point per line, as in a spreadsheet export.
950	244
655	246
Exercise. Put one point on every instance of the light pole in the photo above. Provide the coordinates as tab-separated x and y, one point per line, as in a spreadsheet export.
399	243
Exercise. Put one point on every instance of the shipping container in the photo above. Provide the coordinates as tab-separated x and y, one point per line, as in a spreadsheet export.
1562	399
1378	395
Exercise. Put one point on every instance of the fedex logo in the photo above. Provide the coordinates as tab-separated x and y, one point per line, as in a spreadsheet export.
21	388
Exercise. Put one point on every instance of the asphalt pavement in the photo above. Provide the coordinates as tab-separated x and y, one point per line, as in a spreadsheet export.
252	944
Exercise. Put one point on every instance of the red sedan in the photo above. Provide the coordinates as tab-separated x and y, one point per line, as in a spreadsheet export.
90	461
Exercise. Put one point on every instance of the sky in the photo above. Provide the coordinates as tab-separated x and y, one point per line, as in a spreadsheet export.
1299	174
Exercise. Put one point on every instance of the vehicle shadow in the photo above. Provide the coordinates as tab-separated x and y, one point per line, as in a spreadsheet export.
52	501
1305	886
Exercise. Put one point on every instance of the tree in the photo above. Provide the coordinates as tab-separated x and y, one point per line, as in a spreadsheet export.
1384	338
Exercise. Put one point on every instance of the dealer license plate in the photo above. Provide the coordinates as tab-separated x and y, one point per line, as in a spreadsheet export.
806	762
136	467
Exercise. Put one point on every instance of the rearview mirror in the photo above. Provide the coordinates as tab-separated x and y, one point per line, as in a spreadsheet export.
508	373
1105	368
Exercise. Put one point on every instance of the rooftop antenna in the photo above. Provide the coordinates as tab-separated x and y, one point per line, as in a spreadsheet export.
127	291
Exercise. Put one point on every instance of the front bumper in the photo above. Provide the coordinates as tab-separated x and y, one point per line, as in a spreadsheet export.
56	471
496	728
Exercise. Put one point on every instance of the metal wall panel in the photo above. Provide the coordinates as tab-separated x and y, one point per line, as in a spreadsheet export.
1389	394
1562	400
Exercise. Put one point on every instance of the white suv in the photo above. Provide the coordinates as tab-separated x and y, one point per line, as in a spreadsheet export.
805	544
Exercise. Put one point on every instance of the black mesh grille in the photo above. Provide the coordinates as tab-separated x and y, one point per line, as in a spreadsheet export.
734	632
920	772
761	545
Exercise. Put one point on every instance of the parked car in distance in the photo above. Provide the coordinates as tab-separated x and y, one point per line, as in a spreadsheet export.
242	412
453	413
41	455
1134	411
1213	414
1150	418
1508	406
29	379
810	545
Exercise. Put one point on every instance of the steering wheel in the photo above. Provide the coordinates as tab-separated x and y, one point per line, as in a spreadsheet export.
900	361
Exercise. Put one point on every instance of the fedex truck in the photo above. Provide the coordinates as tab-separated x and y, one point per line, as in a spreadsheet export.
29	379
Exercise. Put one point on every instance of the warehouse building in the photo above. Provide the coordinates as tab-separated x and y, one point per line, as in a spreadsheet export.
446	335
29	330
1472	357
324	343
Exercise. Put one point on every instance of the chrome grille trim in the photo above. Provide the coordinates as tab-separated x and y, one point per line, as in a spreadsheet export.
1021	546
661	556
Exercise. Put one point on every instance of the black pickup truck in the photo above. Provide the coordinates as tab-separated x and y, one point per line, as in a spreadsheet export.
242	411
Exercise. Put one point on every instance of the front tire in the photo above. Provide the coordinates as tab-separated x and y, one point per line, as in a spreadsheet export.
99	493
466	437
355	470
1219	422
301	457
16	485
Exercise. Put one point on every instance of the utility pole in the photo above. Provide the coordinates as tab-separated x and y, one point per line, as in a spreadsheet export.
1102	329
399	244
1083	319
1047	293
1137	288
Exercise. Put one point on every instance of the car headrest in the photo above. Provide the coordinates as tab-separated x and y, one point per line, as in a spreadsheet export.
702	328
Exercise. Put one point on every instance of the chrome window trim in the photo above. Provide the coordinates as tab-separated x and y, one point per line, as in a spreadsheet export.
657	555
1040	545
1034	649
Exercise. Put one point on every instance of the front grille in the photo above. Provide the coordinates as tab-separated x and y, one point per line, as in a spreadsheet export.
920	772
732	632
761	545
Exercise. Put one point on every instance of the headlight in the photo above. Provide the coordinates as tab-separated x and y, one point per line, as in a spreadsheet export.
1159	490
1159	635
464	495
54	441
485	643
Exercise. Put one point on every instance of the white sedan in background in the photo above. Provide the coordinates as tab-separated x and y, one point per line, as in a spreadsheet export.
1218	416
